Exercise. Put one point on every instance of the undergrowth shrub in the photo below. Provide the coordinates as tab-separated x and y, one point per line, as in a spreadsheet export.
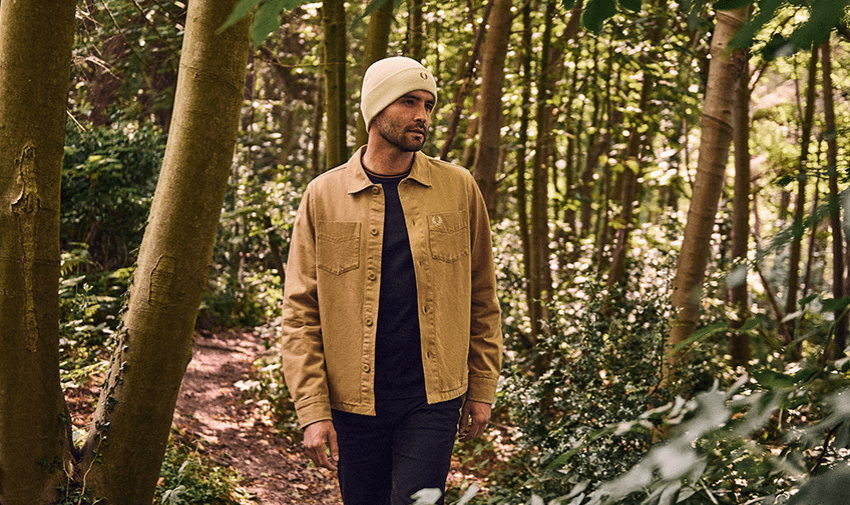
109	176
189	477
598	365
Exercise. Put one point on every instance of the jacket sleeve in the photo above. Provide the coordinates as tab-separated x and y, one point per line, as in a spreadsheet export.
485	343
302	349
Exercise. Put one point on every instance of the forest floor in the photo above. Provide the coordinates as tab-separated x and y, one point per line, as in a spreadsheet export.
217	414
242	433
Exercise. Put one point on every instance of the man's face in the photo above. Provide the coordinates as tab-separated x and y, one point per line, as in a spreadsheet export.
405	122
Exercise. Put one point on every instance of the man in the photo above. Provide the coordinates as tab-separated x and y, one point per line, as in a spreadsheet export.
391	326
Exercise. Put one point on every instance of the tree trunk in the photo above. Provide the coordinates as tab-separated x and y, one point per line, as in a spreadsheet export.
333	21
377	41
799	209
155	344
839	341
490	102
415	30
739	343
540	270
521	191
716	136
36	38
460	97
629	186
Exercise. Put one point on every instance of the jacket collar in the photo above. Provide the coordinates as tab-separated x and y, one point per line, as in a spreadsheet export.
358	180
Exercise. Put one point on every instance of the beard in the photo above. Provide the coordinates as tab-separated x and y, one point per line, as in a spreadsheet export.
399	136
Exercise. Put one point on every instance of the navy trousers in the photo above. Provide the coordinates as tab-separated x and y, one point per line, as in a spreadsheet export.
386	458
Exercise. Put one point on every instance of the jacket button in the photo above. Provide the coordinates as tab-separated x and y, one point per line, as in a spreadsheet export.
376	189
374	231
368	321
372	276
366	367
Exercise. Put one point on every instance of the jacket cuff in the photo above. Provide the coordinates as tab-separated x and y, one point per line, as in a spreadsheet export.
482	389
312	413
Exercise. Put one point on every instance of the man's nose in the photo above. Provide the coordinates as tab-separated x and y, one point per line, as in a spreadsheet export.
422	114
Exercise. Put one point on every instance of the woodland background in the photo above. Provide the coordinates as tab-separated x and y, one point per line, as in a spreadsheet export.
667	184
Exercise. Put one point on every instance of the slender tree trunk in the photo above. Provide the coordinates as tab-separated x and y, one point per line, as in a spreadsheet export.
377	41
333	22
490	102
813	242
155	344
462	93
522	192
36	38
629	187
716	136
415	30
540	270
839	341
316	133
739	343
799	209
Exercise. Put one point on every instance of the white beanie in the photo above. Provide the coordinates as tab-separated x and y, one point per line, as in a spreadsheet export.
388	79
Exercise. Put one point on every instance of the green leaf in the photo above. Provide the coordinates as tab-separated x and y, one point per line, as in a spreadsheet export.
632	5
267	20
700	334
771	379
239	12
373	6
750	324
827	489
596	13
824	16
835	305
745	35
728	5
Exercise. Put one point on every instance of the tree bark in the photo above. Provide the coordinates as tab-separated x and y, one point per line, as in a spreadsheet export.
377	41
415	30
716	136
36	38
460	97
799	209
739	343
486	163
541	276
839	341
333	21
629	187
127	440
521	191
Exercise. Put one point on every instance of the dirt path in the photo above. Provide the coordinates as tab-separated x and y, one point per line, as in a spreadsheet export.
241	434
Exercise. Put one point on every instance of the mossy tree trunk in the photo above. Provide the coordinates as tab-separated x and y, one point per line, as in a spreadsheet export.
723	76
36	38
127	440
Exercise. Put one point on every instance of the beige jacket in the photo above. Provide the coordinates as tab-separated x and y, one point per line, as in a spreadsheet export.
333	278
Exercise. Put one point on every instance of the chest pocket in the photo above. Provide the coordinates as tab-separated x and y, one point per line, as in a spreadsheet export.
448	234
338	246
